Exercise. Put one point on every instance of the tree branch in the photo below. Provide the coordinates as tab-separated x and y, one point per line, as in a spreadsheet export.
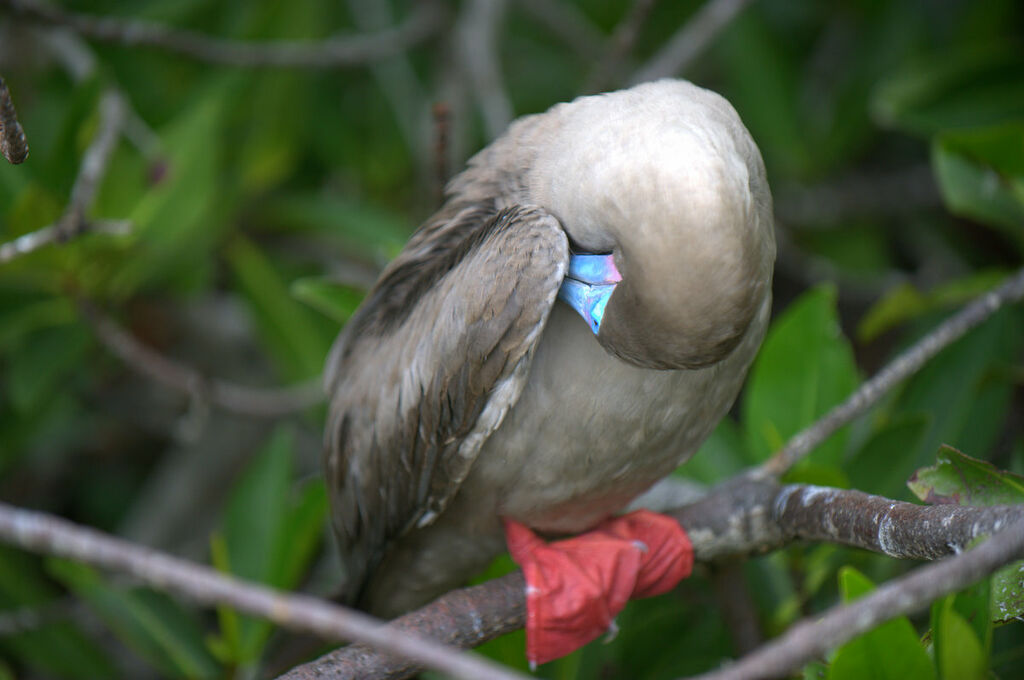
51	535
90	173
691	40
569	23
814	637
13	144
252	401
623	39
477	32
903	366
336	52
742	517
57	233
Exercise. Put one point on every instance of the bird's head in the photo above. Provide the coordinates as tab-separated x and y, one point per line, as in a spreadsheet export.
664	184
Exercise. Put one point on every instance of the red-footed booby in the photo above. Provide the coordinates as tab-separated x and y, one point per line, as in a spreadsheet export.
467	391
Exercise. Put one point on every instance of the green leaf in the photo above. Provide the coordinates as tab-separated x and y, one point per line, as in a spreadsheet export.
22	314
962	480
337	300
905	302
360	228
981	174
967	387
969	87
255	521
722	455
151	623
54	649
881	465
306	522
959	653
41	364
292	334
763	74
890	651
267	537
805	367
179	219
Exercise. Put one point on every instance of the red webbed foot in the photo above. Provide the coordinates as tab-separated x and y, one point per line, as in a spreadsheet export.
575	587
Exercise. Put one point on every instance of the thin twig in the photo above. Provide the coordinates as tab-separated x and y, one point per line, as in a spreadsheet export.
33	617
569	23
13	144
736	519
54	233
624	37
900	368
336	52
80	63
442	115
478	37
691	40
253	401
813	638
90	174
399	82
94	162
51	535
737	606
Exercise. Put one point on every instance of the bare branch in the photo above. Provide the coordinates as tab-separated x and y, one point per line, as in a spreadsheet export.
737	606
621	44
812	638
336	52
42	533
13	144
477	32
399	82
900	368
569	23
95	161
691	40
253	401
462	618
90	173
742	517
53	233
442	114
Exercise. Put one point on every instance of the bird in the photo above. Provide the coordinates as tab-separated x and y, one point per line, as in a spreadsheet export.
563	333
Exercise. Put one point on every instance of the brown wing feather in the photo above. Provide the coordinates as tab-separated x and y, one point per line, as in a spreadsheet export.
427	369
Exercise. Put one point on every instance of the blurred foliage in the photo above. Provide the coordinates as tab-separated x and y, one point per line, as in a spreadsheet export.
261	198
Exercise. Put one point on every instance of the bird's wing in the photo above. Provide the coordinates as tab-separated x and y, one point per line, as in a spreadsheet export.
428	368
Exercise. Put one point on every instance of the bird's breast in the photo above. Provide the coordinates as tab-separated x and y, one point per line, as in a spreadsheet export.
590	432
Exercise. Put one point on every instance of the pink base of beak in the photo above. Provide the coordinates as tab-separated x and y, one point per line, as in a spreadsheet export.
576	587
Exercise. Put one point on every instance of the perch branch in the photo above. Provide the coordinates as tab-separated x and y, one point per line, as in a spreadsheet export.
90	173
335	52
742	517
265	402
691	40
51	535
13	144
904	365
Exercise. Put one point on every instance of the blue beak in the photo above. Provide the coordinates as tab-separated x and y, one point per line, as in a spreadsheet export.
588	286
